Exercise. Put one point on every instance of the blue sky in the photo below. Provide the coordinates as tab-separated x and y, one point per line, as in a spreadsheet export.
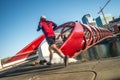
19	18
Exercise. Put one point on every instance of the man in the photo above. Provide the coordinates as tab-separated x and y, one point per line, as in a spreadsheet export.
48	28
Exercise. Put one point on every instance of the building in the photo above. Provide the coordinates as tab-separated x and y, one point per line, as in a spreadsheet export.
87	19
114	25
101	21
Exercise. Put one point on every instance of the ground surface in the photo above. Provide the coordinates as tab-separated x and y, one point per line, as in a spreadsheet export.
106	69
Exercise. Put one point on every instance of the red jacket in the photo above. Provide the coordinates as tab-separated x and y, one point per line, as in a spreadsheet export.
47	27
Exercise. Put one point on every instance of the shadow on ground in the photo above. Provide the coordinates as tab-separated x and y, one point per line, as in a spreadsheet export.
27	69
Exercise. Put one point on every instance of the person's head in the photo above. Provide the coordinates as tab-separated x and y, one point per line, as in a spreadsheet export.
43	18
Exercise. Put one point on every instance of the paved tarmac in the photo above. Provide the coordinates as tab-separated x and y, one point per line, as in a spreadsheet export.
105	69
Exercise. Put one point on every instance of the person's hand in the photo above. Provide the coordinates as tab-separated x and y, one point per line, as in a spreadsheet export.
54	28
38	30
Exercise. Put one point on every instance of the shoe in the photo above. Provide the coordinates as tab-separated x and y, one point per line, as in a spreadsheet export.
49	63
66	61
42	62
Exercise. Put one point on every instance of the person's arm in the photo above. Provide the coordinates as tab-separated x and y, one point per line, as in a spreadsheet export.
55	26
39	28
